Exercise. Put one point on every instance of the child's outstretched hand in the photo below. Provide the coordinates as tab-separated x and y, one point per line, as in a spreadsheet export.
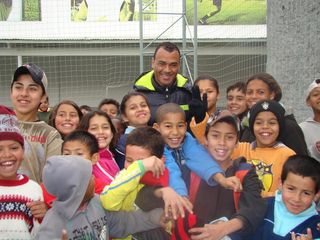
155	165
228	183
208	232
38	209
307	236
174	204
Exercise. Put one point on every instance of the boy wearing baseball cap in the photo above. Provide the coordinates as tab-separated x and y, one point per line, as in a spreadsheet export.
238	213
28	90
311	126
18	194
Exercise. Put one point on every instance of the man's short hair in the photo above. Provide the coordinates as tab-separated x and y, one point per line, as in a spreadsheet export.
304	166
168	46
85	138
167	108
147	138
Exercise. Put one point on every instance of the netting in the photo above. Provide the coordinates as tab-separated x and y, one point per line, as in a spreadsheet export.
91	54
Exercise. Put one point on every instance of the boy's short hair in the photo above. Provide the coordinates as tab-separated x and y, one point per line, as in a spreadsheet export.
304	166
268	106
9	128
166	109
224	116
85	138
147	138
241	86
36	73
86	107
109	101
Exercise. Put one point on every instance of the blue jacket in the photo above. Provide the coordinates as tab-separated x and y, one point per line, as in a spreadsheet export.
265	230
197	159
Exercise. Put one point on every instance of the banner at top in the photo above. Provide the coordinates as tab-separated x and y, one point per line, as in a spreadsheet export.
119	19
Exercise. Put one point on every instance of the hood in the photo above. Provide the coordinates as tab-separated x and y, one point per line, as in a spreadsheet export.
67	178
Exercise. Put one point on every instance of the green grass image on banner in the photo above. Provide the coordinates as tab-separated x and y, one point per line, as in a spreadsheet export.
233	12
79	11
31	10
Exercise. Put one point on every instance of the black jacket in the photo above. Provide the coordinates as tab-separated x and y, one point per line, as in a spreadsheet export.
214	202
179	92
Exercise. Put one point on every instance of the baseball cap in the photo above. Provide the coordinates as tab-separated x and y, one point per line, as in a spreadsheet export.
313	85
224	116
36	73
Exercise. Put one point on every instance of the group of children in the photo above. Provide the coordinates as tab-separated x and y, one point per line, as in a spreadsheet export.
210	186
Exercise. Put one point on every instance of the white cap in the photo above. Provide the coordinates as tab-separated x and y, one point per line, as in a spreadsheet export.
313	85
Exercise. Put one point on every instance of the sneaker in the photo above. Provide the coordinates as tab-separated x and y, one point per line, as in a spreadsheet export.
202	22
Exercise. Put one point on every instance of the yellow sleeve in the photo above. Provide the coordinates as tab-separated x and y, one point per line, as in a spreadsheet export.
199	129
114	195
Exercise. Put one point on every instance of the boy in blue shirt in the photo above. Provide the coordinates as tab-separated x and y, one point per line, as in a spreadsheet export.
292	212
183	153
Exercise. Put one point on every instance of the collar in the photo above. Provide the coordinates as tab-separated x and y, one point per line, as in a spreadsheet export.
20	180
163	89
129	129
277	144
311	119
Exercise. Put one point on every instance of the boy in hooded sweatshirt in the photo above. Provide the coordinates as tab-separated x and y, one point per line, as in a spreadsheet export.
78	210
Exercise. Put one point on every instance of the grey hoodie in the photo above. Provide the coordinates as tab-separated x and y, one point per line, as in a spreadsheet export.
67	178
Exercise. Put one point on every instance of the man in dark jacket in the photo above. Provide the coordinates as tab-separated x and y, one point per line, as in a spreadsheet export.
163	84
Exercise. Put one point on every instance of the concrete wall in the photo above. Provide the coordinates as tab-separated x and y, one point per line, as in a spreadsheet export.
293	49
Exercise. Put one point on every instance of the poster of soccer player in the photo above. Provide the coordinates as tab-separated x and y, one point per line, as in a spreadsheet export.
228	12
20	10
111	10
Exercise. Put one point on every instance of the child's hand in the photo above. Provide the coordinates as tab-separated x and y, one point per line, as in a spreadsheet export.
64	235
229	183
318	146
208	232
307	236
38	209
174	204
164	220
155	165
